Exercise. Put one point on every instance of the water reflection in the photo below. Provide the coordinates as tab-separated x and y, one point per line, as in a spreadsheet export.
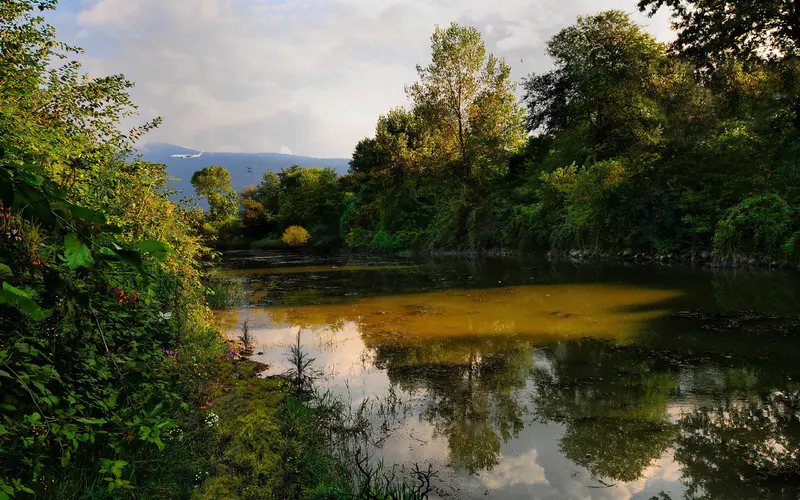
587	384
613	403
472	393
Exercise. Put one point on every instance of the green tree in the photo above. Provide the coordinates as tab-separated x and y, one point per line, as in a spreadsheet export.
467	101
214	183
90	293
711	33
603	87
710	30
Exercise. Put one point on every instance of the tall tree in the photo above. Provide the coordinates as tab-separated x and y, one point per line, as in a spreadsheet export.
467	98
603	85
214	183
711	33
711	29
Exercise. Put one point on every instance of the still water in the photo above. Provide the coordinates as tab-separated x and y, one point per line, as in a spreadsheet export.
521	378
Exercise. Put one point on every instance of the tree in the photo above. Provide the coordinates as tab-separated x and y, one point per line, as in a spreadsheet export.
251	209
214	183
603	87
309	197
710	30
467	100
711	33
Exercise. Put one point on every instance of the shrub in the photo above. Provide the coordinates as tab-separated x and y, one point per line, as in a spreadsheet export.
268	243
358	238
295	236
760	224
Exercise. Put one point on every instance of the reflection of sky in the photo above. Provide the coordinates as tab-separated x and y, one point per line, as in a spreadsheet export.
530	465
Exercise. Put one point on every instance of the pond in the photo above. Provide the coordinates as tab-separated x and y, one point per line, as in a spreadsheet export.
522	378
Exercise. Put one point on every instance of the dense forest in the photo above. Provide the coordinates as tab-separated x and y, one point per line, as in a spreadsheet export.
627	144
108	352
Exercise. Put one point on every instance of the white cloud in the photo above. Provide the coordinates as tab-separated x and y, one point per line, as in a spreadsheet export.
256	75
285	150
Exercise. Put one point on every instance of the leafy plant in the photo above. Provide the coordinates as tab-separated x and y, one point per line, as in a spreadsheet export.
295	236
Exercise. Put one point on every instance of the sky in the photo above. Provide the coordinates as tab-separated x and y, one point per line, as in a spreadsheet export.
307	77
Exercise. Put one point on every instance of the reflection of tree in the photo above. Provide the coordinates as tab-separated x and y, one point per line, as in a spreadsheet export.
613	403
471	393
742	450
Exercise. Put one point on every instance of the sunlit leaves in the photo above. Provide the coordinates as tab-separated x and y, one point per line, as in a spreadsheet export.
76	252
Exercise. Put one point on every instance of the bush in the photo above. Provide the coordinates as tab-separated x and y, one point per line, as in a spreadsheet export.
295	236
757	225
114	311
358	238
268	243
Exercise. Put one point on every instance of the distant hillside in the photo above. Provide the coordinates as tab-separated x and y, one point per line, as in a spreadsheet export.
246	168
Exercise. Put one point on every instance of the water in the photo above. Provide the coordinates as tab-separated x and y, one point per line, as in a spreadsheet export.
526	379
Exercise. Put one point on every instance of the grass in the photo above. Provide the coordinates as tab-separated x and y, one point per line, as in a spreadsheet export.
225	293
269	243
256	438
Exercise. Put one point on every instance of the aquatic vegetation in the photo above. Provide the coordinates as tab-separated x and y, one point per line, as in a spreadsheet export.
246	339
224	293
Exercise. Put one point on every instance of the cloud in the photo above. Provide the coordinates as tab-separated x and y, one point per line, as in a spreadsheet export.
257	75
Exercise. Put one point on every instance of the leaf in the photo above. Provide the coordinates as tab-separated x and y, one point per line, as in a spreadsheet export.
19	300
16	291
5	273
28	196
108	252
155	248
76	252
132	258
87	214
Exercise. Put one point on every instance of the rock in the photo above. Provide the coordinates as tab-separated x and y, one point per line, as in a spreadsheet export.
752	262
627	253
704	254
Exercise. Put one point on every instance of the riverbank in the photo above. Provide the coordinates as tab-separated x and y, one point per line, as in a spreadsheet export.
703	258
274	438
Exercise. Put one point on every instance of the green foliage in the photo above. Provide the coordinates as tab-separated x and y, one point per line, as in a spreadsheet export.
707	32
100	276
465	99
225	293
758	225
214	183
605	77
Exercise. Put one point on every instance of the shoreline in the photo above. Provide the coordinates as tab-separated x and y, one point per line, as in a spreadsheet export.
705	258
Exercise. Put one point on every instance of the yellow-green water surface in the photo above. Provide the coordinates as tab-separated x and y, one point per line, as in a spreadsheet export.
520	378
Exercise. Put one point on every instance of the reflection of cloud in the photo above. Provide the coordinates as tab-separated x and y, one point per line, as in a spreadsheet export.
531	465
510	471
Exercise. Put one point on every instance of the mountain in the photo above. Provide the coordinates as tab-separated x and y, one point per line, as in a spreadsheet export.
237	163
